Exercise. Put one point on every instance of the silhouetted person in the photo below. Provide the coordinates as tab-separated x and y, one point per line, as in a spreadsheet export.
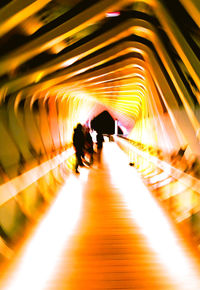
178	160
89	145
181	152
78	142
100	141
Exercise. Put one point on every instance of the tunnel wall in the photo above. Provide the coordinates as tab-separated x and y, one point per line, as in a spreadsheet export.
34	133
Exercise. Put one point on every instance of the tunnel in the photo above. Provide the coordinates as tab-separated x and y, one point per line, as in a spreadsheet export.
133	65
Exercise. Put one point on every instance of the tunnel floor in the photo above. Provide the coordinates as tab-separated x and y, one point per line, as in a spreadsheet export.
118	238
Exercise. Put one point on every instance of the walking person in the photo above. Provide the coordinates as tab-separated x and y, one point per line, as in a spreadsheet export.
78	143
89	145
100	141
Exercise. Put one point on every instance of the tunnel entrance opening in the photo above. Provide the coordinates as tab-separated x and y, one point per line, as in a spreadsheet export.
105	123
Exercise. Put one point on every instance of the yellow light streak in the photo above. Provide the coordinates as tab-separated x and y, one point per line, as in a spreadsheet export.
58	47
39	76
19	183
16	12
31	25
118	86
122	93
69	62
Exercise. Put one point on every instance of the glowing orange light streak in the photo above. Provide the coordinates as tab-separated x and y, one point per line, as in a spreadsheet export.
187	180
41	256
69	62
19	183
121	86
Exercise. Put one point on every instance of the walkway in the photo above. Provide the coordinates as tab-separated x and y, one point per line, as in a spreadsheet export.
105	231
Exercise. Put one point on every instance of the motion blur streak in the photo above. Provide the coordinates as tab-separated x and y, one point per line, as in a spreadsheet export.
19	183
43	251
152	221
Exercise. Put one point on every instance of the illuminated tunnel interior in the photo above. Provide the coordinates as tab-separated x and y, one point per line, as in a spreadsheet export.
67	62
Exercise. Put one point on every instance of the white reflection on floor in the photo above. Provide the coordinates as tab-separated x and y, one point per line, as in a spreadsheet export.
151	219
44	249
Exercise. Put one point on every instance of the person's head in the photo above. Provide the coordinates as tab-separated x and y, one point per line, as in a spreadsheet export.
79	126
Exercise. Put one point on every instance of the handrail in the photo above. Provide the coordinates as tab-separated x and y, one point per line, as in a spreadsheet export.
19	183
186	179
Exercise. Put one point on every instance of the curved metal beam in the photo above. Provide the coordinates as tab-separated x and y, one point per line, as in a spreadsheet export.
193	9
17	11
46	41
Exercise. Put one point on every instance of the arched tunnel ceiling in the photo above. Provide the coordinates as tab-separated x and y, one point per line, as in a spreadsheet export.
65	61
80	48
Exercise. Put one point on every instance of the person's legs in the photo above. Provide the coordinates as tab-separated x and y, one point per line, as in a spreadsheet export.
99	154
76	164
82	157
78	161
